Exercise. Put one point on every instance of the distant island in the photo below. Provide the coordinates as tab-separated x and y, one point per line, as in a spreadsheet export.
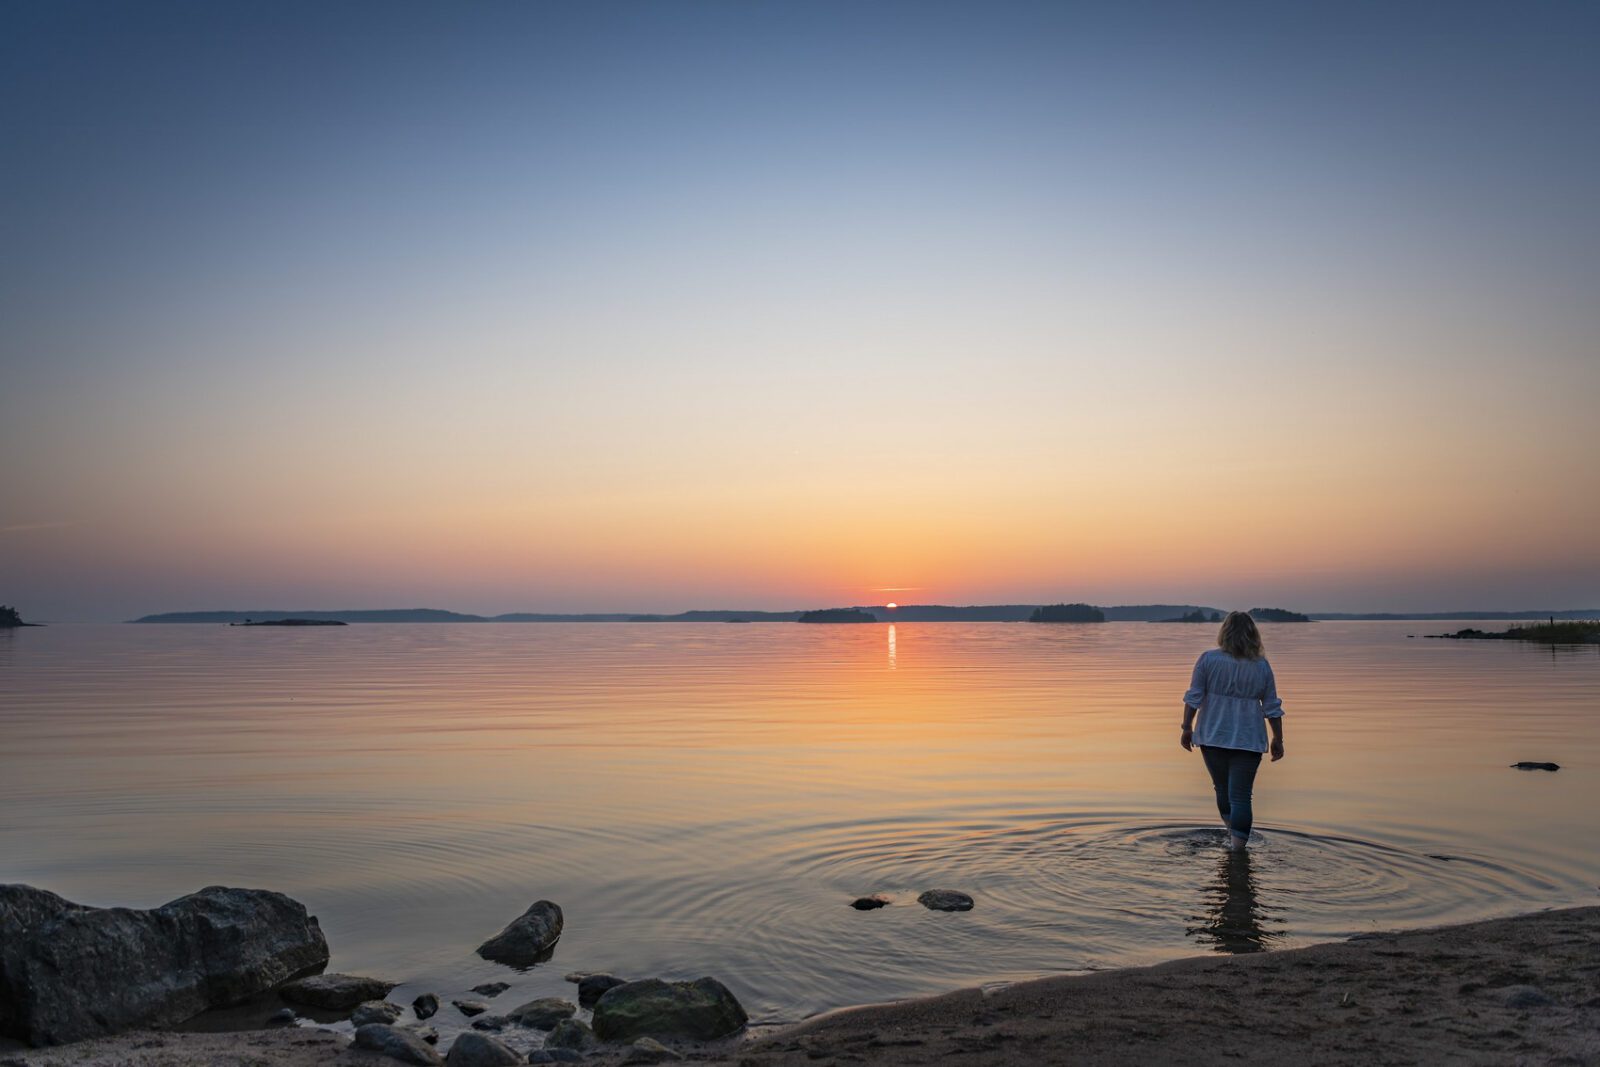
837	615
1569	632
1067	613
11	619
1277	615
899	613
1195	616
291	622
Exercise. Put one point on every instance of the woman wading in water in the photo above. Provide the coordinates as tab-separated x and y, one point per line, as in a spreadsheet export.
1236	696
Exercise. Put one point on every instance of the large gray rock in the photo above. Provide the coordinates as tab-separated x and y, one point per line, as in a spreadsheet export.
542	1014
69	972
529	939
403	1045
703	1010
477	1050
335	992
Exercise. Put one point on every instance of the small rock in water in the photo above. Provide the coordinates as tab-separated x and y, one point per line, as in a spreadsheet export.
491	989
591	987
282	1016
469	1008
476	1050
649	1050
375	1011
571	1034
945	900
876	900
490	1022
335	992
555	1055
425	1005
529	938
1531	765
427	1033
702	1010
402	1045
542	1014
1523	996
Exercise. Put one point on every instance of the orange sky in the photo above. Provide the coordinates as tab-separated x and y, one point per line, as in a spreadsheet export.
1024	306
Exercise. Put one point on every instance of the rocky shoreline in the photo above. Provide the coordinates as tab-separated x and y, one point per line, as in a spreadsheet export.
1521	989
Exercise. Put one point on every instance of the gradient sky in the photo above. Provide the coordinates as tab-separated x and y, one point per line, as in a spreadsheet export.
651	306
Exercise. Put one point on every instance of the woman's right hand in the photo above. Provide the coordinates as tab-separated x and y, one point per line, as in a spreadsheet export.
1277	750
1186	739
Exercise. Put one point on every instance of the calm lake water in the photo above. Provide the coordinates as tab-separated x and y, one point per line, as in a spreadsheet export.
707	799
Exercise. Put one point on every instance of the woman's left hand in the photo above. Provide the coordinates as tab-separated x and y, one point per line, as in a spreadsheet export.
1277	751
1186	739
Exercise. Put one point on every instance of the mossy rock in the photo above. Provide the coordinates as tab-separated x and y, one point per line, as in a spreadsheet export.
702	1010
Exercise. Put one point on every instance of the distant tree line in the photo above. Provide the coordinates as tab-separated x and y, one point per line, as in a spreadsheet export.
1277	615
1197	615
838	615
1067	613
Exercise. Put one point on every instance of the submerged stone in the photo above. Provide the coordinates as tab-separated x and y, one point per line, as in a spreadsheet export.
335	992
542	1014
375	1011
945	900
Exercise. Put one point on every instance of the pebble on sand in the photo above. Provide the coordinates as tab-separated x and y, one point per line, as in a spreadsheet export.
649	1050
477	1050
402	1045
571	1034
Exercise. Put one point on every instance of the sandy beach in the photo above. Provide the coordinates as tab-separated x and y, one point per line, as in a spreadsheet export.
1504	991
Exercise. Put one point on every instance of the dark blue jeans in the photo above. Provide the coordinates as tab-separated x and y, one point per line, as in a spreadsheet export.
1233	774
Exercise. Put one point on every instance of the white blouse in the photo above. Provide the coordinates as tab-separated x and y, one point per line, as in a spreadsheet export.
1235	698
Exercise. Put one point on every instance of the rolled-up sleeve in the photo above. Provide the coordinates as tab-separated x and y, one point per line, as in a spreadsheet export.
1271	706
1197	684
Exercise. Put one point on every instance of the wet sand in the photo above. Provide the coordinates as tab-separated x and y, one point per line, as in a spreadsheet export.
1504	991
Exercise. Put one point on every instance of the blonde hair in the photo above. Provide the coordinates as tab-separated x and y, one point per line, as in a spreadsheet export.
1239	637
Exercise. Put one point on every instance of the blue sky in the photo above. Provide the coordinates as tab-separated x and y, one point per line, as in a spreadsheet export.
563	306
